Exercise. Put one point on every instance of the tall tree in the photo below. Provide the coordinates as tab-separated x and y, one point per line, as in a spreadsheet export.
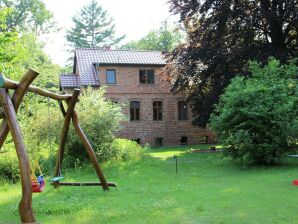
222	37
93	27
28	16
162	39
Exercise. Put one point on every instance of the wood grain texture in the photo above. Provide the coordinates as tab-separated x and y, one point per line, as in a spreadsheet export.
89	150
25	205
64	133
17	98
87	146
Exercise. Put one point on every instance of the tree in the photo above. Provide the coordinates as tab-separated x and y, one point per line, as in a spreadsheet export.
163	39
222	37
257	117
93	27
28	16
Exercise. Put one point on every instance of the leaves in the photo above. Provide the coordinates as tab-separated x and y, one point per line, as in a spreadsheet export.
163	39
93	27
257	117
222	37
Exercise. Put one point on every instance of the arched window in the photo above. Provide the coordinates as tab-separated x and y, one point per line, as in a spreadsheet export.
134	110
182	110
157	110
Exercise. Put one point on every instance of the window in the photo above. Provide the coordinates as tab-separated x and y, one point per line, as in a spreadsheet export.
157	110
183	140
134	110
158	141
137	140
182	110
204	140
146	76
111	76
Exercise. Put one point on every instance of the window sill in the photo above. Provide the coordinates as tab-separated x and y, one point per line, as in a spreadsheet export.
143	84
111	84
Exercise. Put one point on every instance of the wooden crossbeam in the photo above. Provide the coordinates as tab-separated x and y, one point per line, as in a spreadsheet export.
110	184
17	98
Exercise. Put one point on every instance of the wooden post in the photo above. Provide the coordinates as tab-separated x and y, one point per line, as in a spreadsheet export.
90	150
87	146
17	98
64	132
25	206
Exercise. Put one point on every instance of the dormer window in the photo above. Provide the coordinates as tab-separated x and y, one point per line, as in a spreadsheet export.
111	76
146	76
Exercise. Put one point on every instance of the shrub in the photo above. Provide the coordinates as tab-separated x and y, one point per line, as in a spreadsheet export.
257	117
98	117
125	150
9	166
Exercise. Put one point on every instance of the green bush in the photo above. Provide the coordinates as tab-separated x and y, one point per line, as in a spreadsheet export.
124	149
257	117
9	166
98	117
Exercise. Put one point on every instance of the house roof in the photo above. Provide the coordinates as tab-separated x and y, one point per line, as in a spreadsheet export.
69	80
87	58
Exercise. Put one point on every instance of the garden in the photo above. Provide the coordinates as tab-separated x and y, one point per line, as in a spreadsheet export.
207	189
235	62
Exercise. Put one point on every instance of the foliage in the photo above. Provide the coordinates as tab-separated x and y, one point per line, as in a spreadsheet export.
163	39
93	27
19	52
9	166
99	118
28	16
8	41
29	54
127	150
222	37
257	118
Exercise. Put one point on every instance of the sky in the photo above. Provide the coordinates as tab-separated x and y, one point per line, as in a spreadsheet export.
133	18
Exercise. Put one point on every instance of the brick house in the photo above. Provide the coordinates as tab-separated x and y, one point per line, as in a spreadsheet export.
157	116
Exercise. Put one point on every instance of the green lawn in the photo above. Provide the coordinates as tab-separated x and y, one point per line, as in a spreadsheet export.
207	189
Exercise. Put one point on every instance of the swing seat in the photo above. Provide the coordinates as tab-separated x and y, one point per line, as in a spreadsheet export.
55	179
38	185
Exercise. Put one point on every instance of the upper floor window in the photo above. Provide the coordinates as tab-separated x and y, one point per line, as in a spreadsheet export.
134	110
111	76
157	110
146	76
182	110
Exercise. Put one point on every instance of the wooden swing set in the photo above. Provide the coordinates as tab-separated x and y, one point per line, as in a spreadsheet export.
10	106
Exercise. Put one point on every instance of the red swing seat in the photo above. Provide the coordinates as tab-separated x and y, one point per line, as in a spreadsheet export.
38	185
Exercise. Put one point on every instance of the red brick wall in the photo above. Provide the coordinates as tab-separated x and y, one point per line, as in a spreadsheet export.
128	88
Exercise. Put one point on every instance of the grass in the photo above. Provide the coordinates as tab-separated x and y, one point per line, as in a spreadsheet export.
207	189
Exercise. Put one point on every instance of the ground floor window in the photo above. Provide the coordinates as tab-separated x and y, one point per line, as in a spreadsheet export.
204	140
159	141
134	110
183	140
137	140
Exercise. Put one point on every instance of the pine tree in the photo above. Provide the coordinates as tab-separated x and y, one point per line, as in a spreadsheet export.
93	27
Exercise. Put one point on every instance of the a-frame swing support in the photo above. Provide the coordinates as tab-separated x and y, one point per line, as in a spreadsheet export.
9	123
